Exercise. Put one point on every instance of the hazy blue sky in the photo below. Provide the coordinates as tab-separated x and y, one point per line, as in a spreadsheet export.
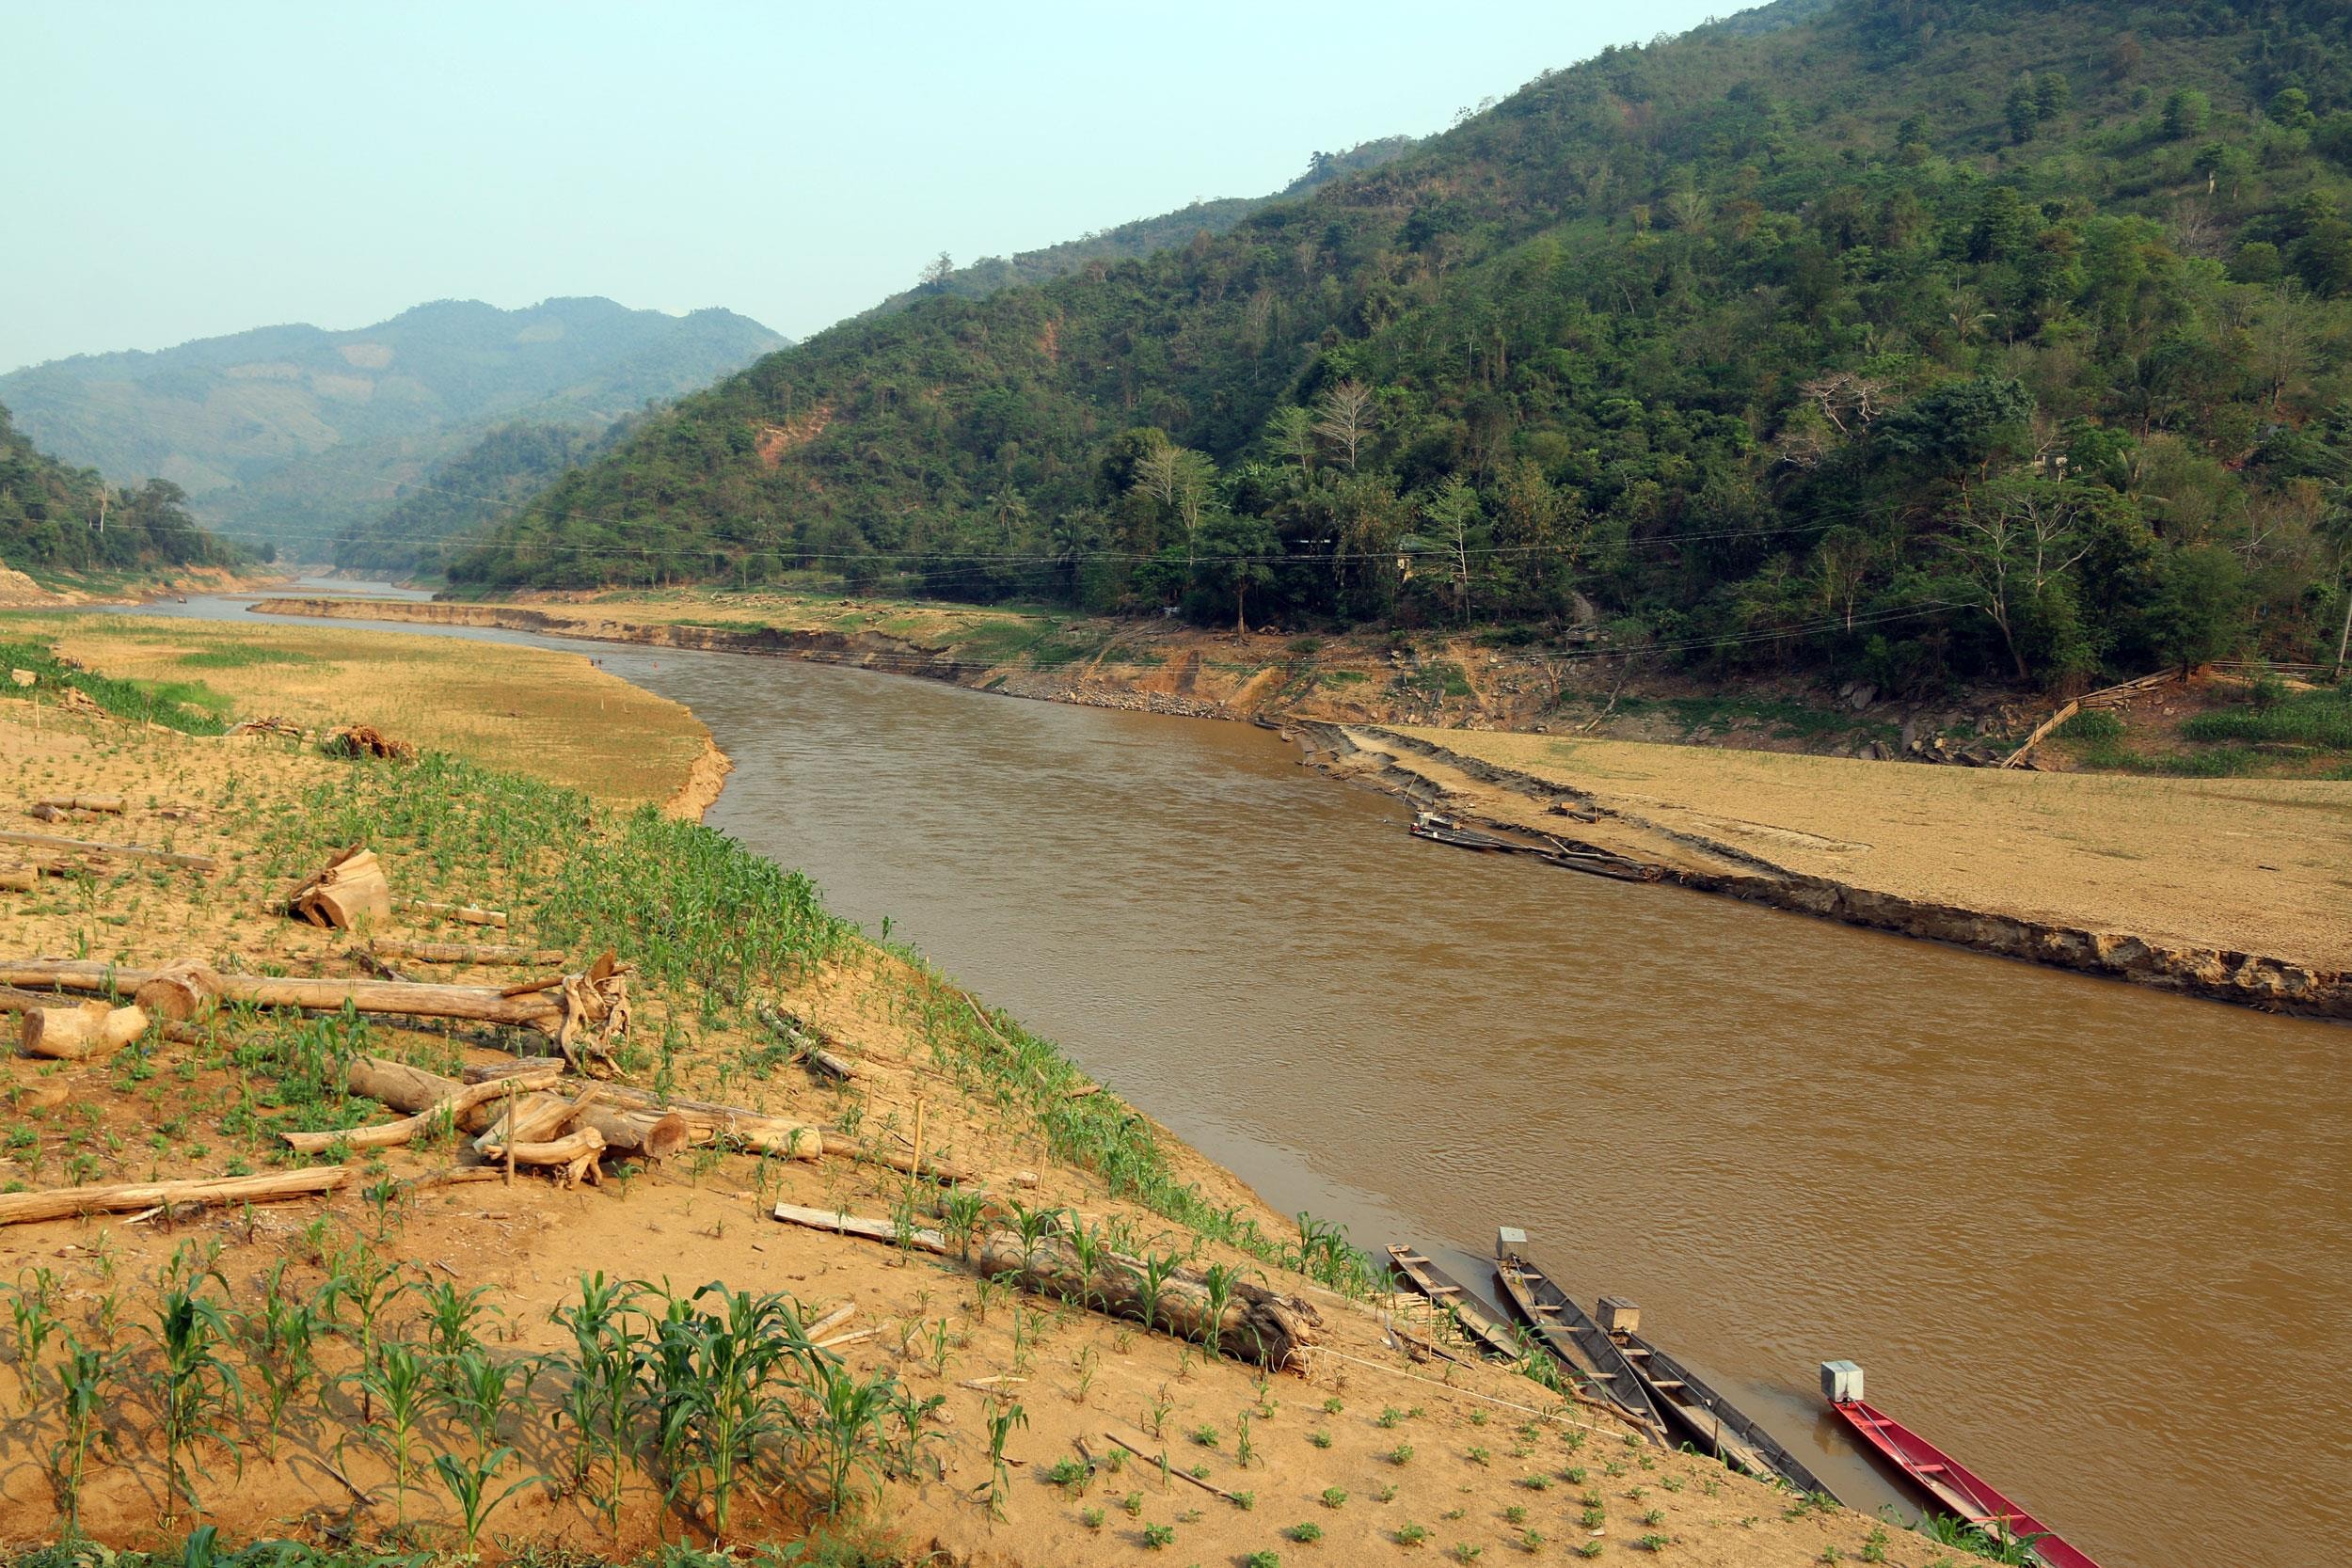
182	170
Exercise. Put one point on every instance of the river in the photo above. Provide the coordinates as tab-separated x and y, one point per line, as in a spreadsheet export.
2094	1240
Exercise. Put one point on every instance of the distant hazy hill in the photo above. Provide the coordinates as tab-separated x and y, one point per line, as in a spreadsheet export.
1144	237
297	433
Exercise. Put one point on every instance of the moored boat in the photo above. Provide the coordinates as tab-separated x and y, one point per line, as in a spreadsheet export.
1959	1489
1482	1327
1718	1424
1571	1336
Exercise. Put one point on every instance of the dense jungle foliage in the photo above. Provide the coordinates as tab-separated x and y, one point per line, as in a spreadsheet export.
50	518
460	497
1924	340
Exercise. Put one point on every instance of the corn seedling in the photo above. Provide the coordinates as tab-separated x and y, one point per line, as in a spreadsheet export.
84	1381
1411	1535
280	1341
469	1485
398	1385
1000	1425
194	1391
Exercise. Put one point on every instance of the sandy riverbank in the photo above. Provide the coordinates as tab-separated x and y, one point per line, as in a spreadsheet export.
1364	1450
2231	890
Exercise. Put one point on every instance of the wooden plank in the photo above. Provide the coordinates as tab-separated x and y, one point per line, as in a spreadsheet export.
122	851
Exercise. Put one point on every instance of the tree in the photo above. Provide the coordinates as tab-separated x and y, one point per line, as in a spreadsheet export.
2050	91
2014	544
1236	557
1179	479
1344	417
2292	109
2020	112
2186	114
1451	513
936	272
1290	435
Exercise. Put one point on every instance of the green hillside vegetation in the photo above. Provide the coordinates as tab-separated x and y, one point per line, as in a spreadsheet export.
54	518
1131	240
470	493
1926	341
296	434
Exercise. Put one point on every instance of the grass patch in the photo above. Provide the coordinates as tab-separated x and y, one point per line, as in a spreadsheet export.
239	658
2320	720
189	707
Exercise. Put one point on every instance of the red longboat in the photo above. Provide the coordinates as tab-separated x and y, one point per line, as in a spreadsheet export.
1955	1487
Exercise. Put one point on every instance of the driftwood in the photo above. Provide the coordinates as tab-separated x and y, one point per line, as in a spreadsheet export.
575	1153
349	888
932	1167
539	1118
113	851
449	1108
60	1203
408	1088
460	953
93	1029
856	1225
473	1004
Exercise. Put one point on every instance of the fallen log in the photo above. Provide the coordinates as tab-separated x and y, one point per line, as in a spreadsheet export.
754	1131
108	804
91	1030
389	1134
1249	1324
122	851
179	992
348	889
20	879
575	1153
460	953
470	1004
463	913
58	1203
539	1119
854	1224
403	1088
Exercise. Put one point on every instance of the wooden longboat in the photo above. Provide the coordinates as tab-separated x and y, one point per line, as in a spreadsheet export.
1952	1484
1482	1327
1572	1337
1714	1420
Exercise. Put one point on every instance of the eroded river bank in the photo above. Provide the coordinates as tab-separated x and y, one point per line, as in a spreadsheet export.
2039	1207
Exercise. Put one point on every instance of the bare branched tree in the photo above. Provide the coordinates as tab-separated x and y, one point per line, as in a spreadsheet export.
1344	417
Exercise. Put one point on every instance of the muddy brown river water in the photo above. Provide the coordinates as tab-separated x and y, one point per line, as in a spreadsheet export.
2095	1241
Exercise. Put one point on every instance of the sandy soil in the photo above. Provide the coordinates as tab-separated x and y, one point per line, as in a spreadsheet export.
1325	1438
2251	865
533	710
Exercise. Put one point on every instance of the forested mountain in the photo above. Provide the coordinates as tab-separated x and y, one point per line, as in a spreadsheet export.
297	433
60	518
470	493
1930	340
1143	237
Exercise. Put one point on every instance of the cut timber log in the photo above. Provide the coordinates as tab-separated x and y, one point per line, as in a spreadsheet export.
539	1119
91	1030
625	1131
575	1153
349	889
60	1203
754	1131
117	851
179	992
451	1108
460	953
20	879
857	1224
471	1004
463	914
108	804
1251	1324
